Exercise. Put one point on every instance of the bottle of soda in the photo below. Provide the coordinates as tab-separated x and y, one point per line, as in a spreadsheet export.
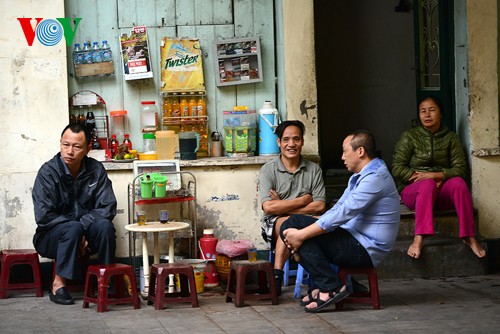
176	108
90	121
202	107
184	106
95	141
77	54
193	107
114	146
87	53
96	53
107	55
127	141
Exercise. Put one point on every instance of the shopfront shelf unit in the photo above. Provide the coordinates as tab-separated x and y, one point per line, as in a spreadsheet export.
180	200
237	61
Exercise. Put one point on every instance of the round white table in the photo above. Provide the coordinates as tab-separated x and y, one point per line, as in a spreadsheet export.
156	228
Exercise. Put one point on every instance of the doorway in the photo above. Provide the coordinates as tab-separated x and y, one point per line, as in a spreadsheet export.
369	80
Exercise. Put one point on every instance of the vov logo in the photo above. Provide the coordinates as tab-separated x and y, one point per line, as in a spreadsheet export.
49	32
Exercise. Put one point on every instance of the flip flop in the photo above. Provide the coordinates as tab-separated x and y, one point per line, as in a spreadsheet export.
335	297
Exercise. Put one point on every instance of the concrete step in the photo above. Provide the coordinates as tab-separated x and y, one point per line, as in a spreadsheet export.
440	257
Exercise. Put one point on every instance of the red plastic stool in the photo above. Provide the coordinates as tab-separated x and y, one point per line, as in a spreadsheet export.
158	277
103	273
14	257
237	280
370	297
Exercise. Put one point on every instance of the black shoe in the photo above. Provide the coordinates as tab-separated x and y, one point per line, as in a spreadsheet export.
278	280
61	297
358	287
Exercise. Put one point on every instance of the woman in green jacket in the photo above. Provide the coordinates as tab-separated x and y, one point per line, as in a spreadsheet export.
429	168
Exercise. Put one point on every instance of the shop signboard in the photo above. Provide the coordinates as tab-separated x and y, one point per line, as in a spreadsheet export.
181	65
135	54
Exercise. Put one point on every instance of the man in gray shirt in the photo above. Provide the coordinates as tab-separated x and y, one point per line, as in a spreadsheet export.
289	184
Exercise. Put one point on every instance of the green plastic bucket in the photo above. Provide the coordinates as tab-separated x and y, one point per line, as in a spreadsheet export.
146	187
160	182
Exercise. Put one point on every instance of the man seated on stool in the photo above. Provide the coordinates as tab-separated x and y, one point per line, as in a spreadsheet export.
289	184
358	232
74	207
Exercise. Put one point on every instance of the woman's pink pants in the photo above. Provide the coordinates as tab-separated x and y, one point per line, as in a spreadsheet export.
423	196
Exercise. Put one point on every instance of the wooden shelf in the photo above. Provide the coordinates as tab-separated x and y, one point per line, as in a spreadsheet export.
94	70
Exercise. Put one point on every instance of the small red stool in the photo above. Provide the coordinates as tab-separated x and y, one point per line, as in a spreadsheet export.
103	273
237	279
158	278
14	257
370	297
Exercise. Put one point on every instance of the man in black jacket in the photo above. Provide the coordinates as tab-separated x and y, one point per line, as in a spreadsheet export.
74	207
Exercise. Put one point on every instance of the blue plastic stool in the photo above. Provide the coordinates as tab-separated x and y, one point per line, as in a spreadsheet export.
286	269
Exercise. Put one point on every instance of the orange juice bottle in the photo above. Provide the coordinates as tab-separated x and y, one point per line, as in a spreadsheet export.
193	108
167	108
184	106
176	108
202	107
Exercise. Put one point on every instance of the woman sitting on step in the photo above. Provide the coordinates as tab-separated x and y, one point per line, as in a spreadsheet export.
429	168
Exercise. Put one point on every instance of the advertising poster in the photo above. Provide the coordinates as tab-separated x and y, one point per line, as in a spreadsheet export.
181	65
135	54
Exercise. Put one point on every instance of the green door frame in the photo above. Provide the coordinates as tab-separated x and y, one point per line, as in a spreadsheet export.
434	54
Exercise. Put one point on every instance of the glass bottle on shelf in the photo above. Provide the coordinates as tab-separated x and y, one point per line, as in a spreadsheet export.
81	117
127	141
95	141
114	145
90	121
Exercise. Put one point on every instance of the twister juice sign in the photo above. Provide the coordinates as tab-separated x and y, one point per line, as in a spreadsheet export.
181	65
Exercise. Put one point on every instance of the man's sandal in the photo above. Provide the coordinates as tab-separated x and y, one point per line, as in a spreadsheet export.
310	297
335	297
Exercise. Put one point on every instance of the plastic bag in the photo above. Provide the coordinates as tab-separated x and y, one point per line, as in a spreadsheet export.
232	248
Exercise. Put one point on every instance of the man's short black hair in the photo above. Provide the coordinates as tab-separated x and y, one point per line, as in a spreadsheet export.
77	128
366	140
283	125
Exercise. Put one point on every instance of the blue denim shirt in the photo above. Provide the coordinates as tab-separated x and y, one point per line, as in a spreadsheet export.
369	209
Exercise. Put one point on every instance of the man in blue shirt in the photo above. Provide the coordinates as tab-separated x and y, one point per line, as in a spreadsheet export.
359	231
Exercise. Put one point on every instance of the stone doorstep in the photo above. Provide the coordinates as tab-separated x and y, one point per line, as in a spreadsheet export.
441	257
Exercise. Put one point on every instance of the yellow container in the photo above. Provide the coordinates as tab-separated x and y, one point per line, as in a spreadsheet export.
165	144
148	156
199	272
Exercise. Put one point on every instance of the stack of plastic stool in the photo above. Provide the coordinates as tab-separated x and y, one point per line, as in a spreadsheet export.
158	277
236	284
103	274
13	257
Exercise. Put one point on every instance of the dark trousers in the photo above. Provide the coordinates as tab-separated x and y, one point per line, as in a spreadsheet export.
317	254
62	243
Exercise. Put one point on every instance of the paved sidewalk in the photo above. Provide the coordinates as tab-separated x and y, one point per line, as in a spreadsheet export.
447	305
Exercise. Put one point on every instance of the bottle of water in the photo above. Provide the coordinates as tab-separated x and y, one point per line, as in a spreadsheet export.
106	51
96	53
87	53
77	54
